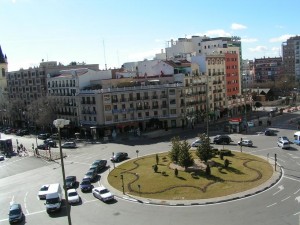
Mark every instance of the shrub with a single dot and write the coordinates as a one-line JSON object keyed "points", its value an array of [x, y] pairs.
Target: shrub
{"points": [[207, 170], [157, 159], [226, 163], [155, 168], [176, 172], [226, 152], [164, 173], [221, 155]]}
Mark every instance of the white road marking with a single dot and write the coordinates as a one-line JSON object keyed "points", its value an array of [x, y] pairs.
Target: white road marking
{"points": [[296, 191], [292, 179], [265, 149], [280, 189], [25, 205], [77, 162], [296, 213], [12, 199], [285, 198], [272, 204]]}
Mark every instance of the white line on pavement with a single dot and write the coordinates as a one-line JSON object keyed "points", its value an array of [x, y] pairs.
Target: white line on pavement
{"points": [[25, 205], [296, 191], [285, 198], [272, 204]]}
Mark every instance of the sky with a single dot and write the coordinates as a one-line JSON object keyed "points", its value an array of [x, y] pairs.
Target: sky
{"points": [[113, 32]]}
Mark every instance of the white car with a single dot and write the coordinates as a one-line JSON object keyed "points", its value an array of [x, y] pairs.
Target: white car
{"points": [[43, 191], [69, 144], [103, 194], [73, 196], [283, 144], [246, 142], [196, 143]]}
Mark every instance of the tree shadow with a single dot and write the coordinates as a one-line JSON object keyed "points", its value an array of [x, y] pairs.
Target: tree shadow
{"points": [[181, 178], [233, 170]]}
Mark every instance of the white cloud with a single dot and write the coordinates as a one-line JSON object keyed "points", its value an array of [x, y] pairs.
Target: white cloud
{"points": [[217, 33], [249, 40], [258, 49], [282, 38], [236, 26], [150, 54]]}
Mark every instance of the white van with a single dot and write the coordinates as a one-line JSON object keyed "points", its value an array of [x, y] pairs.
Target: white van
{"points": [[297, 138], [53, 198]]}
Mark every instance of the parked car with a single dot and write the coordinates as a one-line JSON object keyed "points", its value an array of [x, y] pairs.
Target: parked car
{"points": [[91, 174], [119, 156], [50, 142], [269, 132], [54, 136], [43, 147], [99, 164], [73, 196], [43, 136], [222, 139], [86, 185], [70, 182], [283, 144], [15, 214], [284, 138], [69, 144], [246, 142], [103, 194], [22, 132], [2, 157], [196, 143]]}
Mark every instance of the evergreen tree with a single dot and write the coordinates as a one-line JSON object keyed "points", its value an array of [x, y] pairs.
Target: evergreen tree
{"points": [[204, 151], [174, 152], [157, 159], [185, 158]]}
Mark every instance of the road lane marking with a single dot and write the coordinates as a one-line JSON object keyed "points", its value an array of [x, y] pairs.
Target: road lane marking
{"points": [[280, 189], [264, 149], [296, 213], [285, 198], [25, 205], [291, 179], [272, 205], [296, 191], [12, 199]]}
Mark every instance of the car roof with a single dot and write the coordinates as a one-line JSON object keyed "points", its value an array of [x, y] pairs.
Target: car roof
{"points": [[71, 190], [100, 188]]}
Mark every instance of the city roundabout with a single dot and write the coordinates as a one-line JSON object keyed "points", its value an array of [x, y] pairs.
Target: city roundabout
{"points": [[156, 179]]}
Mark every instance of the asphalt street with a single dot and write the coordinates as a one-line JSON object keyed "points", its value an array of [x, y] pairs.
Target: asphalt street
{"points": [[21, 178]]}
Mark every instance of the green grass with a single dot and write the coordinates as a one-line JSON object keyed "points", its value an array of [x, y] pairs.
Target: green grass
{"points": [[244, 172]]}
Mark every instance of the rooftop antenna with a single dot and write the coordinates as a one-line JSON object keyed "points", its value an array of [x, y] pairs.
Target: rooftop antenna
{"points": [[104, 55]]}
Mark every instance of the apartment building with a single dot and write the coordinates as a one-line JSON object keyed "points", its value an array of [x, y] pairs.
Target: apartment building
{"points": [[30, 84], [64, 88], [291, 56], [268, 69], [247, 74]]}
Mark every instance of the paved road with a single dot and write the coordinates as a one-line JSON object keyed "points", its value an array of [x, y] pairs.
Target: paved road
{"points": [[21, 178]]}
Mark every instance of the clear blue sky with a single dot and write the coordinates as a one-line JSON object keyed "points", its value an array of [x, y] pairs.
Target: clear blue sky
{"points": [[132, 30]]}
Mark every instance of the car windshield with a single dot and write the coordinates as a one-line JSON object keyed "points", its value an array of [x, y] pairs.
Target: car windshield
{"points": [[44, 188], [69, 179], [85, 182], [14, 212], [89, 173], [104, 191], [52, 201], [71, 194]]}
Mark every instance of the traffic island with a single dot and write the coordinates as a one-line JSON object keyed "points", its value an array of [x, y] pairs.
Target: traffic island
{"points": [[137, 177]]}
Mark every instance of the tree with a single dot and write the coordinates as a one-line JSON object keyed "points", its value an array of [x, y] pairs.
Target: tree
{"points": [[207, 170], [174, 152], [204, 150], [185, 158]]}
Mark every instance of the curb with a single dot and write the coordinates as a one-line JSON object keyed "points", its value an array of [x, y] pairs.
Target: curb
{"points": [[201, 202]]}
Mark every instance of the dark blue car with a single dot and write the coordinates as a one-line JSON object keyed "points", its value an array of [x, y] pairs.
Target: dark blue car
{"points": [[86, 185]]}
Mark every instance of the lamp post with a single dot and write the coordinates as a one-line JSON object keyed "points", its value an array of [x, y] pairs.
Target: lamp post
{"points": [[60, 123]]}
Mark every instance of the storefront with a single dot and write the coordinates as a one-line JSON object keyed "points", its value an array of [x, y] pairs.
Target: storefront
{"points": [[235, 125]]}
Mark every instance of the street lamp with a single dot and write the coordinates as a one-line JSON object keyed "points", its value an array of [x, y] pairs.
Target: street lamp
{"points": [[60, 123], [122, 178]]}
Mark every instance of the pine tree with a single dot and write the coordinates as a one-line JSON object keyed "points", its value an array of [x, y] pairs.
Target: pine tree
{"points": [[204, 150], [185, 158], [174, 152]]}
